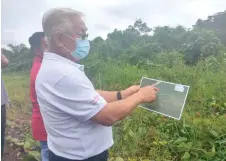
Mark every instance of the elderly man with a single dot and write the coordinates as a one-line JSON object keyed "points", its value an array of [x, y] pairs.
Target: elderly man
{"points": [[78, 118]]}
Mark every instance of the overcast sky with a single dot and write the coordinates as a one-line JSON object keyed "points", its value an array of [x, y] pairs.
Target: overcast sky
{"points": [[21, 18]]}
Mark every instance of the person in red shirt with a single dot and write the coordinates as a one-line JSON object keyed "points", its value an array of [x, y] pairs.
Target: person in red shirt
{"points": [[38, 46]]}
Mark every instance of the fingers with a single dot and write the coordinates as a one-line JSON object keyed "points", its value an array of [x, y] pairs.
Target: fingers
{"points": [[137, 87], [156, 89]]}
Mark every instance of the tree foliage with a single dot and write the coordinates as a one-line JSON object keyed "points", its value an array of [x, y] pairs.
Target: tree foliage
{"points": [[215, 23], [141, 45]]}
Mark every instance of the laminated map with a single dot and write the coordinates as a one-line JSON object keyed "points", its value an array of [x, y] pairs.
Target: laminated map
{"points": [[170, 100]]}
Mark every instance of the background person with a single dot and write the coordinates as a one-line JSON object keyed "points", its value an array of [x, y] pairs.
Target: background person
{"points": [[4, 101], [38, 46], [78, 118]]}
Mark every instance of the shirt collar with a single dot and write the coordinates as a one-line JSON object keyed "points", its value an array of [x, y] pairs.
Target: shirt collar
{"points": [[53, 56]]}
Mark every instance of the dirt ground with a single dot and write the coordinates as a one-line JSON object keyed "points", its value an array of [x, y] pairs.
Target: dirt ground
{"points": [[12, 154], [16, 127]]}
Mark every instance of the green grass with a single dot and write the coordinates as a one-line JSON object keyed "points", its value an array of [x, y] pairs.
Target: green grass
{"points": [[199, 135], [17, 86]]}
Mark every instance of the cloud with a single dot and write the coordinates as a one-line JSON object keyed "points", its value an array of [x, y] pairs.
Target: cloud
{"points": [[19, 20], [165, 12], [103, 27], [22, 18]]}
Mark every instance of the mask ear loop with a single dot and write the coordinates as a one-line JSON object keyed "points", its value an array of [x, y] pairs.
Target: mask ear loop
{"points": [[70, 38], [65, 35], [67, 49], [70, 53]]}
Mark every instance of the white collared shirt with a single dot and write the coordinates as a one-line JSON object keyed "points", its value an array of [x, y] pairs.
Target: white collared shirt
{"points": [[68, 101]]}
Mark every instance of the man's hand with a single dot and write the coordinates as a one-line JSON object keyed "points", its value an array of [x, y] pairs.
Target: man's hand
{"points": [[4, 61], [118, 110], [130, 91], [147, 94]]}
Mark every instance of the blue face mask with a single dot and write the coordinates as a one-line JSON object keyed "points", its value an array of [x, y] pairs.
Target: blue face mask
{"points": [[82, 48]]}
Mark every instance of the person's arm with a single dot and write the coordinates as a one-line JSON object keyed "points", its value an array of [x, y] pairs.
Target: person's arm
{"points": [[84, 103], [118, 110], [4, 61], [111, 96]]}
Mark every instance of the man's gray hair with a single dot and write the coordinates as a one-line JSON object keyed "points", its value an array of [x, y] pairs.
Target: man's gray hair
{"points": [[59, 20]]}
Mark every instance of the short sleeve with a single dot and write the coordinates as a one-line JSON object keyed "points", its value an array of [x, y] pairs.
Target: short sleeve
{"points": [[76, 96]]}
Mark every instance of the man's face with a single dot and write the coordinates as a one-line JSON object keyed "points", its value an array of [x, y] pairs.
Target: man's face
{"points": [[42, 48], [68, 42], [43, 44]]}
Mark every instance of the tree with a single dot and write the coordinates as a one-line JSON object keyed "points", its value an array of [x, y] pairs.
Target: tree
{"points": [[142, 27], [17, 49], [96, 44], [169, 38], [19, 56], [216, 23], [200, 43], [135, 45]]}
